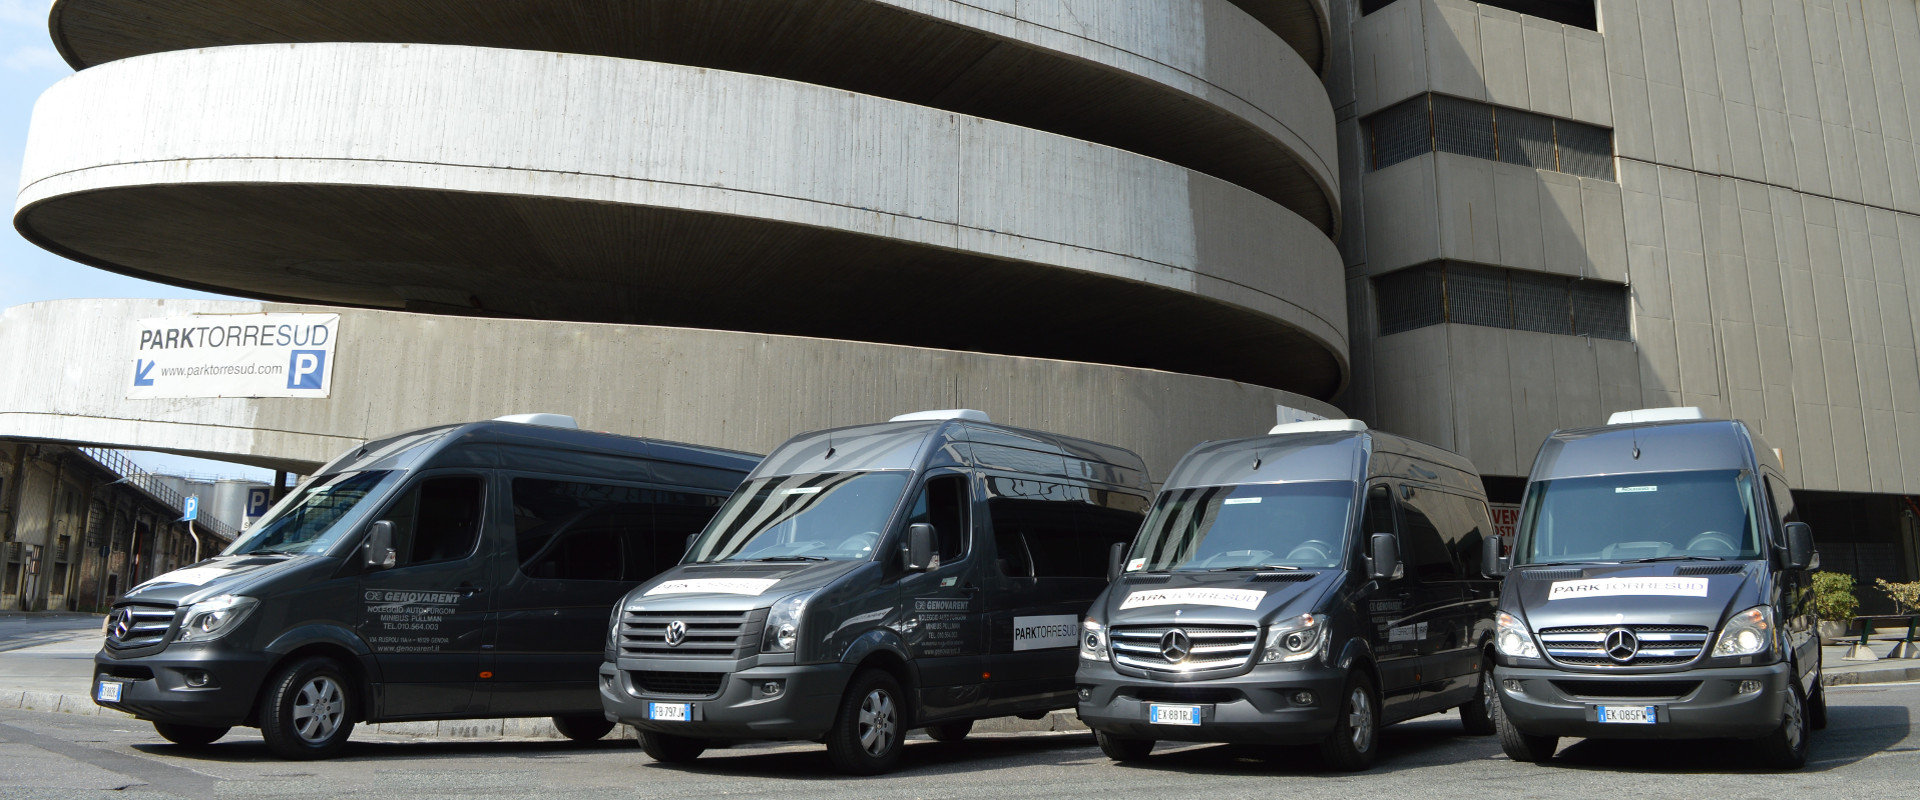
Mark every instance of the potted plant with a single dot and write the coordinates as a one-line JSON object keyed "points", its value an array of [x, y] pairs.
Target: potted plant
{"points": [[1834, 602]]}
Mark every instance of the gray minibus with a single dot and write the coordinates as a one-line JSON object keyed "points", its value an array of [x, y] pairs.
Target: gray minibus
{"points": [[1659, 588], [921, 573], [460, 571], [1304, 587]]}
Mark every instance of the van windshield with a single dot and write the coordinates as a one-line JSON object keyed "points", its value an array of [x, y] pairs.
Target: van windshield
{"points": [[1706, 514], [825, 516], [315, 516], [1300, 525]]}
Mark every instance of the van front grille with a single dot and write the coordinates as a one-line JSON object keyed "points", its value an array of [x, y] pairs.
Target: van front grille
{"points": [[1208, 647], [709, 634], [1653, 645], [678, 684], [1634, 690], [131, 626]]}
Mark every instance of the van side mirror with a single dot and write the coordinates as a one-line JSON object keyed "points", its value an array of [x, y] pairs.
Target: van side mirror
{"points": [[379, 546], [1116, 558], [1383, 553], [919, 547], [1492, 563], [1800, 552]]}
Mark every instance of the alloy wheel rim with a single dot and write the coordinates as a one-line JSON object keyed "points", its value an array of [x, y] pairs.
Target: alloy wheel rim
{"points": [[1360, 719], [878, 722], [1796, 722], [1486, 695], [318, 710]]}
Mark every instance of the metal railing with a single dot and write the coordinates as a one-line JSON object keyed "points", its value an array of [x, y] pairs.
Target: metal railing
{"points": [[130, 473]]}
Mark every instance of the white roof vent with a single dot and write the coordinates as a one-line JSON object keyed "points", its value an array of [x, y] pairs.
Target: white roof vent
{"points": [[945, 413], [549, 420], [1319, 426], [1674, 414]]}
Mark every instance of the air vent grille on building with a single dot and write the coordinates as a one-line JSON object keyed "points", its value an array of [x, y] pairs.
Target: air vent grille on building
{"points": [[1469, 294], [1430, 122]]}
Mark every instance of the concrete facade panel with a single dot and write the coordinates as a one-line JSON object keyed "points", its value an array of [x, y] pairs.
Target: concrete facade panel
{"points": [[1469, 217], [1547, 88], [1481, 378]]}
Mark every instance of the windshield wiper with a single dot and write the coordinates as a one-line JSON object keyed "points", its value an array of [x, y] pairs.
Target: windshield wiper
{"points": [[1671, 558], [784, 558], [1252, 568], [268, 551]]}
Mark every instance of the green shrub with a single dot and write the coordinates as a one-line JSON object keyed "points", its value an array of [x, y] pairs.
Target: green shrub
{"points": [[1904, 595], [1833, 596]]}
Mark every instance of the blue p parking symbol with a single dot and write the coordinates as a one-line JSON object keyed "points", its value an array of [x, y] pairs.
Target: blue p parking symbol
{"points": [[307, 368]]}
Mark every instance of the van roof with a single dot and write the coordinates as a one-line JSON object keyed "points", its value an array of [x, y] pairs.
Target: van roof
{"points": [[1317, 456], [417, 446], [1666, 446], [919, 444]]}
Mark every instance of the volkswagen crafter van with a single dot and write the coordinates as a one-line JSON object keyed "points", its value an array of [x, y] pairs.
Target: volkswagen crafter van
{"points": [[1659, 590], [1308, 586], [922, 573], [461, 571]]}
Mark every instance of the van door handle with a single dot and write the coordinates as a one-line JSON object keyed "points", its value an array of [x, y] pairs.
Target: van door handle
{"points": [[468, 589]]}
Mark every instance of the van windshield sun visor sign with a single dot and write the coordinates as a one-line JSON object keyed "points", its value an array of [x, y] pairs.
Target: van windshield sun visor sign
{"points": [[1625, 587], [715, 586], [1230, 598]]}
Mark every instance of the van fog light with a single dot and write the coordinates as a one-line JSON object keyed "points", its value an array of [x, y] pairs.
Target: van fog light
{"points": [[1086, 693], [197, 679], [771, 688], [1514, 686], [1304, 698], [1749, 687]]}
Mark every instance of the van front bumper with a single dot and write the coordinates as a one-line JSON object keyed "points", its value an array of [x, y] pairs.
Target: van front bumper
{"points": [[805, 707], [155, 687], [1695, 704], [1257, 707]]}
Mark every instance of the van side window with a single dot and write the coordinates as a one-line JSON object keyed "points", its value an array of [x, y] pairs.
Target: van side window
{"points": [[573, 530], [943, 504], [1043, 529], [1422, 544], [437, 520]]}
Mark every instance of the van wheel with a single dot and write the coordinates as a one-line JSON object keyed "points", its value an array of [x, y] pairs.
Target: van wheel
{"points": [[189, 735], [1120, 749], [1517, 745], [1786, 748], [307, 711], [950, 731], [667, 748], [1476, 715], [865, 737], [583, 727], [1356, 730]]}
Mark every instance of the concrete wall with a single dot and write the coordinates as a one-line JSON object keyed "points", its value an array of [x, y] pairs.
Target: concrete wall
{"points": [[396, 371], [1766, 217]]}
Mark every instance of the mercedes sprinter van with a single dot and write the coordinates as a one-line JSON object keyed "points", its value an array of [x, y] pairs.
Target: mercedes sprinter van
{"points": [[461, 571], [921, 573], [1659, 589], [1308, 586]]}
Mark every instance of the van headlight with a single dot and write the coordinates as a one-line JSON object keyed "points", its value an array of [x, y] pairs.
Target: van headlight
{"points": [[783, 623], [1512, 638], [1748, 632], [214, 617], [612, 651], [1295, 639], [1093, 640]]}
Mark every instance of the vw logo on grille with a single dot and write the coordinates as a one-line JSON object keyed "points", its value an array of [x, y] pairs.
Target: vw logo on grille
{"points": [[1175, 646], [120, 623], [1622, 645], [676, 633]]}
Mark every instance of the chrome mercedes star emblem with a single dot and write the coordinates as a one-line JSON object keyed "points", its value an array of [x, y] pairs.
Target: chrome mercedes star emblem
{"points": [[1622, 645], [1175, 646], [120, 625], [676, 633]]}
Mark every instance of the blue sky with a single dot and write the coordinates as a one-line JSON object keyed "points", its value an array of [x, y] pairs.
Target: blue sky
{"points": [[28, 65]]}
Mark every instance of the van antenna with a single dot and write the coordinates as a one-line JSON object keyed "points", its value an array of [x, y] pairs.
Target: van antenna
{"points": [[1635, 433]]}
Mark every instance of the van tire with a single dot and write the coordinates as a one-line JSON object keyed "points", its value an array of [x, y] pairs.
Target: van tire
{"points": [[950, 731], [1786, 747], [866, 737], [320, 686], [189, 735], [1355, 740], [1519, 746], [1817, 706], [1476, 715], [583, 727], [1122, 749], [667, 748]]}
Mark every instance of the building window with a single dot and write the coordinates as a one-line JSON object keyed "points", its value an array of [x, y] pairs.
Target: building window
{"points": [[1470, 294], [1578, 13], [1430, 122]]}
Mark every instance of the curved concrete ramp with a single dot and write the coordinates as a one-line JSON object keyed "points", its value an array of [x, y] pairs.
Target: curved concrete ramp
{"points": [[72, 362]]}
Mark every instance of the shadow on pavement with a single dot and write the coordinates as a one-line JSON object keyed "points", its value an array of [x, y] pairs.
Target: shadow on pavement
{"points": [[243, 745], [921, 757], [1408, 745], [1854, 732]]}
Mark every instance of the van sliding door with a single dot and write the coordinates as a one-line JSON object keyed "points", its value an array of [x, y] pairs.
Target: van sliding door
{"points": [[426, 617]]}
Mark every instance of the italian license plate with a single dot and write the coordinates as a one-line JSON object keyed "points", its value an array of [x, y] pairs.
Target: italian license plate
{"points": [[670, 712], [109, 691], [1173, 715], [1631, 715]]}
